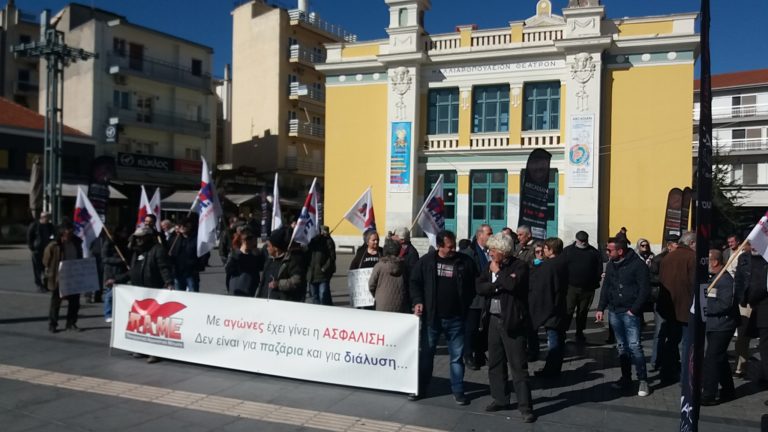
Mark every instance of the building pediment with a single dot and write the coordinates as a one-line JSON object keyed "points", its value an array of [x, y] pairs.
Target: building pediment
{"points": [[544, 21]]}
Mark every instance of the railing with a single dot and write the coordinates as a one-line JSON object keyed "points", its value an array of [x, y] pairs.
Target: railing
{"points": [[306, 165], [296, 127], [541, 139], [299, 53], [736, 145], [489, 141], [315, 21], [161, 69], [737, 111], [542, 35], [493, 39], [443, 43], [161, 120], [298, 89], [441, 142], [25, 87]]}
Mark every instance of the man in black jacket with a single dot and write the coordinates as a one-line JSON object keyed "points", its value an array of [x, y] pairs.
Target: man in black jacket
{"points": [[585, 266], [39, 234], [322, 266], [150, 267], [625, 291], [476, 331], [756, 294], [442, 288]]}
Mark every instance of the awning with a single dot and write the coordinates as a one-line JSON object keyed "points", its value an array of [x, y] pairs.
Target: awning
{"points": [[21, 187], [179, 201]]}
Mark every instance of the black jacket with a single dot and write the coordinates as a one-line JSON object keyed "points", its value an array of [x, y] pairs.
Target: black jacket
{"points": [[151, 269], [626, 286], [511, 288], [722, 310], [757, 293], [183, 254], [548, 288], [357, 260], [423, 285], [475, 252], [585, 266], [322, 259], [244, 272], [409, 254], [290, 273], [114, 267], [39, 235]]}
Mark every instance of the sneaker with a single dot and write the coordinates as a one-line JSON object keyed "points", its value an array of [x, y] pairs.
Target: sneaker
{"points": [[621, 384], [529, 418], [108, 319], [460, 399], [643, 390], [413, 397]]}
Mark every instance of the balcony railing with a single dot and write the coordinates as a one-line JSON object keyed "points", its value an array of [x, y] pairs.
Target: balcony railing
{"points": [[490, 141], [305, 165], [315, 21], [25, 87], [299, 128], [299, 53], [162, 120], [158, 69], [734, 112], [443, 43], [441, 142], [541, 139], [297, 89], [736, 145]]}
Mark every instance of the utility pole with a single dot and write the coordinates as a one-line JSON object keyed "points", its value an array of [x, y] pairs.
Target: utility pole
{"points": [[57, 55]]}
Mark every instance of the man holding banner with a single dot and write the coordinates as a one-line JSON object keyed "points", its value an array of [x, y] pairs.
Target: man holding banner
{"points": [[65, 247]]}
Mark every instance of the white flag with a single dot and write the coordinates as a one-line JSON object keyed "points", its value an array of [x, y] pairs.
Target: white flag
{"points": [[431, 216], [154, 208], [87, 223], [210, 211], [758, 238], [277, 215], [361, 214], [144, 208], [306, 226]]}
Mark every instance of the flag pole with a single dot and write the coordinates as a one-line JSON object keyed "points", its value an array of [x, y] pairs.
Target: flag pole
{"points": [[337, 225], [189, 213], [734, 255], [117, 249], [350, 209]]}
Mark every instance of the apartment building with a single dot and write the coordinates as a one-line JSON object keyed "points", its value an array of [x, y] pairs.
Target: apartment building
{"points": [[740, 133], [19, 76], [278, 96], [147, 99], [605, 97]]}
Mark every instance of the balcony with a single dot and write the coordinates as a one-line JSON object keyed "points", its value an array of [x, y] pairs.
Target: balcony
{"points": [[295, 163], [442, 143], [299, 91], [738, 112], [164, 121], [744, 145], [159, 70], [550, 138], [300, 54], [299, 16], [25, 87], [297, 128]]}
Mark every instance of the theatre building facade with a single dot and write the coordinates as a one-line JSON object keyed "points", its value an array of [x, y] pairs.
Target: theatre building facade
{"points": [[609, 99]]}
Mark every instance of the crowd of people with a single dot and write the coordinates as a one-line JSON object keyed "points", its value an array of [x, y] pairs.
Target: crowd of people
{"points": [[489, 298]]}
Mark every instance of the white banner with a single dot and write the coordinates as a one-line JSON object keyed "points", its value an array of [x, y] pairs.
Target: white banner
{"points": [[359, 293], [581, 151], [78, 276], [345, 346]]}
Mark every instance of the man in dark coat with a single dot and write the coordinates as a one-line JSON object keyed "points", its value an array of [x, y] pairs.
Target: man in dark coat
{"points": [[442, 288], [39, 234], [186, 264], [625, 292], [476, 333], [757, 296], [285, 272], [150, 267], [408, 252], [585, 267], [322, 266], [660, 297]]}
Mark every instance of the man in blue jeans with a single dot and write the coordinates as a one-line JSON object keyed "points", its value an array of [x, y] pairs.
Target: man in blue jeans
{"points": [[442, 288], [625, 290]]}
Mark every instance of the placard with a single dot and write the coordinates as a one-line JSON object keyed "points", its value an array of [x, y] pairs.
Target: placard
{"points": [[359, 293], [78, 276]]}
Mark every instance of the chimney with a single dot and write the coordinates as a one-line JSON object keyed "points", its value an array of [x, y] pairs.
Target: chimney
{"points": [[304, 5]]}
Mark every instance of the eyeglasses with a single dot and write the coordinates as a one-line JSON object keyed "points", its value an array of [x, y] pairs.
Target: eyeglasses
{"points": [[538, 251]]}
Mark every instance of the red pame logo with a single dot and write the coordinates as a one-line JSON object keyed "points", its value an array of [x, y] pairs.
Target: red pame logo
{"points": [[152, 322]]}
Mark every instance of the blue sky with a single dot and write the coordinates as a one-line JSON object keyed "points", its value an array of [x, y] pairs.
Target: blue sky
{"points": [[739, 32]]}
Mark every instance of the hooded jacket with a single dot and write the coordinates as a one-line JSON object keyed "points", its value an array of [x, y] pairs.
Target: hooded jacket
{"points": [[389, 285], [626, 286]]}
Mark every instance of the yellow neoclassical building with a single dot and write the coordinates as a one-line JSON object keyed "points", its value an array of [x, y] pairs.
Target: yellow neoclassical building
{"points": [[610, 99]]}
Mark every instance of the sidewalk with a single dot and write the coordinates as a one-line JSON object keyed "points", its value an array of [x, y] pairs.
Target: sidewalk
{"points": [[74, 382]]}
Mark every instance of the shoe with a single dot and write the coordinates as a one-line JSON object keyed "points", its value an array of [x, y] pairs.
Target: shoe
{"points": [[529, 418], [73, 328], [53, 329], [545, 373], [42, 290], [643, 390], [580, 338], [469, 362], [708, 402], [153, 359], [495, 406], [108, 319], [413, 397], [726, 396], [480, 360], [621, 384], [460, 399], [138, 355]]}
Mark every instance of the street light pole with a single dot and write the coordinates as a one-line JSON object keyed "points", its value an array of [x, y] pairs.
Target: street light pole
{"points": [[58, 56]]}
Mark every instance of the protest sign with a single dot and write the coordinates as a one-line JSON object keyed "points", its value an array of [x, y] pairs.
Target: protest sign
{"points": [[78, 276], [345, 346], [359, 293]]}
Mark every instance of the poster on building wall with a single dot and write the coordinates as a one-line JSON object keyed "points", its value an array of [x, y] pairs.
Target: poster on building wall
{"points": [[581, 154], [400, 159], [534, 193]]}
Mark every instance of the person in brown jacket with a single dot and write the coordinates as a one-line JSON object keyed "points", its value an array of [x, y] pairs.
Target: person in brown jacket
{"points": [[389, 281], [64, 247], [677, 275]]}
